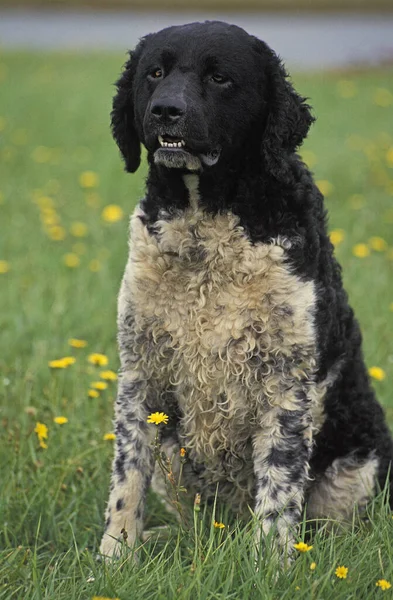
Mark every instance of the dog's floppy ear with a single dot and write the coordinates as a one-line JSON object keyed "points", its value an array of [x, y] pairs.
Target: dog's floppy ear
{"points": [[122, 115], [288, 117]]}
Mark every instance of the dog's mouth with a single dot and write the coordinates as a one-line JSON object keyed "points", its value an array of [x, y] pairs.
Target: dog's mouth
{"points": [[173, 152], [168, 141]]}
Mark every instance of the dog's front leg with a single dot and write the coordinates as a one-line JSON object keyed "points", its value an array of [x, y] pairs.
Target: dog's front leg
{"points": [[132, 466], [281, 452]]}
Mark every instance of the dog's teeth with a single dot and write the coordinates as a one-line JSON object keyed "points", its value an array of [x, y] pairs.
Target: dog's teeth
{"points": [[179, 144]]}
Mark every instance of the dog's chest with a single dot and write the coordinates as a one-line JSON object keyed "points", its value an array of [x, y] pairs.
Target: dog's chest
{"points": [[226, 317]]}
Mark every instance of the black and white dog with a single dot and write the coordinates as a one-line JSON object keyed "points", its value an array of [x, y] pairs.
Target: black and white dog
{"points": [[232, 316]]}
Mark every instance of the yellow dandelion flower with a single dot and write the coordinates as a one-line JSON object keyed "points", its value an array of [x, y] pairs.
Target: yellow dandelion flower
{"points": [[60, 420], [42, 154], [98, 359], [99, 385], [346, 89], [88, 179], [76, 343], [48, 211], [69, 360], [383, 97], [297, 588], [50, 220], [57, 233], [4, 266], [361, 250], [62, 363], [357, 201], [44, 202], [108, 375], [377, 373], [41, 430], [112, 213], [378, 244], [383, 584], [93, 394], [57, 364], [218, 525], [42, 433], [71, 260], [157, 418], [183, 452], [109, 436], [78, 229], [336, 236], [94, 265], [302, 547], [313, 566], [325, 187], [341, 572]]}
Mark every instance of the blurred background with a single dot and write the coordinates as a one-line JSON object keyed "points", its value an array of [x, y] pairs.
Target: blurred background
{"points": [[307, 33], [64, 207]]}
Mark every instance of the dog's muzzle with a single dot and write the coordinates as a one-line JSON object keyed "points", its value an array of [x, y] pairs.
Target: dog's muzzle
{"points": [[175, 154]]}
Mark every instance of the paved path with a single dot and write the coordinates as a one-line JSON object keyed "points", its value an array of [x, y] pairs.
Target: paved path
{"points": [[304, 41]]}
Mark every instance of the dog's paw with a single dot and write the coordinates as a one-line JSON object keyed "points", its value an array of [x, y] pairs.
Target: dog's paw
{"points": [[113, 548]]}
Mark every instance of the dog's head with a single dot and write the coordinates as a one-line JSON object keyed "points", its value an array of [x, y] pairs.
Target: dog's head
{"points": [[196, 94]]}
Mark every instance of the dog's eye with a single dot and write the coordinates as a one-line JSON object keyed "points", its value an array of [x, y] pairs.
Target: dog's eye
{"points": [[218, 78], [156, 74]]}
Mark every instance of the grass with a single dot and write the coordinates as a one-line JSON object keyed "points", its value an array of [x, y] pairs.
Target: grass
{"points": [[54, 127]]}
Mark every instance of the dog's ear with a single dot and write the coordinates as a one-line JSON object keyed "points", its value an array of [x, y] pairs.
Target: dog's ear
{"points": [[122, 115], [287, 116]]}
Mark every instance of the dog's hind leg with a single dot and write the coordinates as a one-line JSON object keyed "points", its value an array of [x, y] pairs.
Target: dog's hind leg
{"points": [[281, 454], [348, 483]]}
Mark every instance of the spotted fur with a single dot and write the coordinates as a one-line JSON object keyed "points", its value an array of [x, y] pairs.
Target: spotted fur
{"points": [[348, 482], [232, 316]]}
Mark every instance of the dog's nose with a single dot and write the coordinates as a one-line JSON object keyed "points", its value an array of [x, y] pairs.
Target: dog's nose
{"points": [[168, 110]]}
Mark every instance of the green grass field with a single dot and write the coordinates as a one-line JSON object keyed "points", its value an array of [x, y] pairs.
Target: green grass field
{"points": [[62, 253]]}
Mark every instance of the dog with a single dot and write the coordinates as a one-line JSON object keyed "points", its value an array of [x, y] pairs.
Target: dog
{"points": [[232, 317]]}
